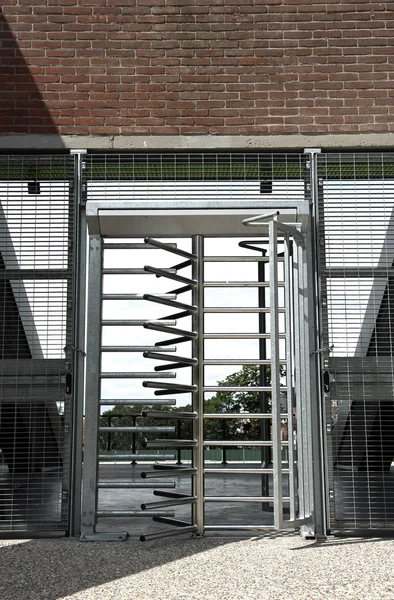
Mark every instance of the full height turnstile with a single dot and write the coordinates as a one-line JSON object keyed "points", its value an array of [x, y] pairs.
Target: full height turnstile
{"points": [[279, 430]]}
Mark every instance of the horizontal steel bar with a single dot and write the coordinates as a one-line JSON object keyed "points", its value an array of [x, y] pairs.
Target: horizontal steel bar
{"points": [[133, 485], [156, 356], [241, 499], [133, 322], [134, 457], [242, 471], [147, 537], [169, 302], [136, 348], [132, 246], [241, 361], [166, 503], [170, 443], [238, 527], [241, 443], [241, 416], [125, 375], [135, 296], [175, 387], [256, 258], [169, 415], [169, 248], [162, 327], [138, 429], [135, 513], [240, 309], [169, 275], [138, 402], [168, 473], [241, 336], [136, 271], [239, 284], [32, 274], [239, 388]]}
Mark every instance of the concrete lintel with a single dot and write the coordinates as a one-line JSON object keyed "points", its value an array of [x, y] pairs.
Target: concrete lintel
{"points": [[363, 141]]}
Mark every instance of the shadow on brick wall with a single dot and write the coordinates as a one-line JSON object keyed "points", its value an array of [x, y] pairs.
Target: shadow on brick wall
{"points": [[22, 106]]}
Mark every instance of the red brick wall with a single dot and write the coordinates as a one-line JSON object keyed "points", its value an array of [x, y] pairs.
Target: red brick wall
{"points": [[132, 67]]}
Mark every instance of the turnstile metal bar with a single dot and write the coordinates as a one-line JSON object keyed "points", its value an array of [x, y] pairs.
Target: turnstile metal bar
{"points": [[136, 271], [238, 527], [240, 284], [135, 375], [135, 513], [168, 533], [169, 415], [169, 502], [240, 336], [176, 388], [170, 248], [134, 457], [254, 259], [133, 246], [133, 485], [226, 471], [225, 388], [241, 443], [168, 473], [167, 301], [170, 443], [138, 402], [170, 274], [136, 296], [240, 309], [138, 429], [134, 322], [241, 416], [242, 499], [137, 349], [181, 359], [241, 361]]}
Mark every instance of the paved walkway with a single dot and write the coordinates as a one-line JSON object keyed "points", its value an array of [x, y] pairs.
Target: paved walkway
{"points": [[258, 568]]}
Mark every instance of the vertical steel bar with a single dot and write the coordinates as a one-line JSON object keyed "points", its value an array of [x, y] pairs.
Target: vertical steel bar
{"points": [[275, 377], [289, 370], [92, 407], [198, 379], [79, 343]]}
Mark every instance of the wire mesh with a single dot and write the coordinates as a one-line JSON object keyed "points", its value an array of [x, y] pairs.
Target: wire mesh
{"points": [[356, 204], [209, 176], [36, 279]]}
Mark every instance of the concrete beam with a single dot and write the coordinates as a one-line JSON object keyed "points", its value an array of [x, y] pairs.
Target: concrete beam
{"points": [[340, 142]]}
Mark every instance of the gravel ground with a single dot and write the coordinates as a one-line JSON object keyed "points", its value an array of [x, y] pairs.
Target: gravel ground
{"points": [[258, 568]]}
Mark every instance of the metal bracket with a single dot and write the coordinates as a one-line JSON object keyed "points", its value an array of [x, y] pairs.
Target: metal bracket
{"points": [[74, 349], [325, 349]]}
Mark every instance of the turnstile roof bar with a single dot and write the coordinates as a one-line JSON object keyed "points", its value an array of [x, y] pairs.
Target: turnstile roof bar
{"points": [[135, 375], [137, 349]]}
